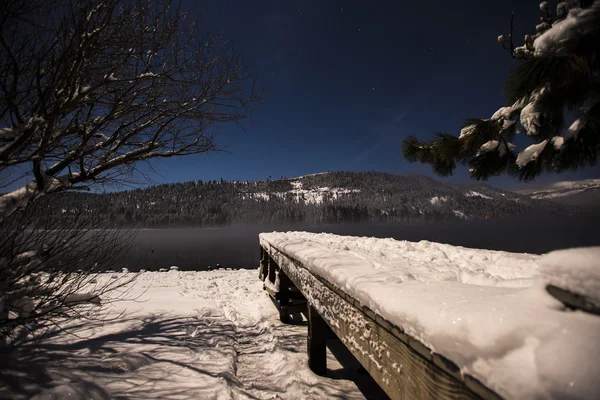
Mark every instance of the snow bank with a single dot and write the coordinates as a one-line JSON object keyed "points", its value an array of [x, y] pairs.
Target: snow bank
{"points": [[488, 311], [576, 270]]}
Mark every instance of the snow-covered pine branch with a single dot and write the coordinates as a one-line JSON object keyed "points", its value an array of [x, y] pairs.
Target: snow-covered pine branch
{"points": [[558, 70]]}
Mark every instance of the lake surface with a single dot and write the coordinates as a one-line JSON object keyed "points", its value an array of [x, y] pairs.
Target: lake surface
{"points": [[237, 246]]}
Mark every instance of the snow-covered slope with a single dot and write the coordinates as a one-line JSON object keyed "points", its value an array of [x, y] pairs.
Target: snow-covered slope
{"points": [[488, 311], [581, 193], [397, 196], [313, 195]]}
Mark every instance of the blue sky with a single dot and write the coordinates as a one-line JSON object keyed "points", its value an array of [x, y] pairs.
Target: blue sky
{"points": [[346, 81]]}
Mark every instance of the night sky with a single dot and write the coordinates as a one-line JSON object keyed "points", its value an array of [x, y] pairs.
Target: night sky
{"points": [[346, 81]]}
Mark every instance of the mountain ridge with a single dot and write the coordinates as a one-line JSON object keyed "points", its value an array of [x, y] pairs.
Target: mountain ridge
{"points": [[582, 193], [332, 197]]}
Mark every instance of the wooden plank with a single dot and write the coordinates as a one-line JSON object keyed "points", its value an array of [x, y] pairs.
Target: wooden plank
{"points": [[403, 366], [576, 301], [318, 331], [286, 296], [295, 295], [294, 309]]}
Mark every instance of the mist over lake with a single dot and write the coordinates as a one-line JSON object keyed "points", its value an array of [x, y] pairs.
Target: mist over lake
{"points": [[237, 246]]}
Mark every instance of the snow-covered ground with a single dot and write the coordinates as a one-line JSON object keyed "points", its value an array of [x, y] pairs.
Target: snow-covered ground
{"points": [[217, 335], [488, 311], [187, 335]]}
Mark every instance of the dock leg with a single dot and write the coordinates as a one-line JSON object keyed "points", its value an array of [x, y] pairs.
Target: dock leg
{"points": [[262, 270], [284, 297], [318, 330], [272, 266]]}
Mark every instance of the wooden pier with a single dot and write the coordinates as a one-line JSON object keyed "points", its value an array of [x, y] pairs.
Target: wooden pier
{"points": [[400, 364]]}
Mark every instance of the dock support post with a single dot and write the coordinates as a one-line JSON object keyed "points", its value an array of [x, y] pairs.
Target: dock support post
{"points": [[262, 270], [318, 331], [284, 297], [271, 269]]}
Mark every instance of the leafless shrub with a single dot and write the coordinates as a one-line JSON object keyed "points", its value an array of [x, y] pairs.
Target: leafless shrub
{"points": [[50, 270]]}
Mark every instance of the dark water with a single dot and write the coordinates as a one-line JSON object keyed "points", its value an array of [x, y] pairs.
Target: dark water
{"points": [[237, 246]]}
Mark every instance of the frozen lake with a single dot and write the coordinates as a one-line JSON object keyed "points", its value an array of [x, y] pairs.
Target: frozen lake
{"points": [[237, 246]]}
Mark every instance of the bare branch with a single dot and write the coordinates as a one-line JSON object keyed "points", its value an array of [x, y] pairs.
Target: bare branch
{"points": [[86, 96], [83, 100]]}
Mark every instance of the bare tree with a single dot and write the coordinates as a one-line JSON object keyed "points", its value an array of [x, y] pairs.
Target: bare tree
{"points": [[89, 88]]}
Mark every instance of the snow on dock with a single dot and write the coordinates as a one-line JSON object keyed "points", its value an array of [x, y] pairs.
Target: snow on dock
{"points": [[489, 312]]}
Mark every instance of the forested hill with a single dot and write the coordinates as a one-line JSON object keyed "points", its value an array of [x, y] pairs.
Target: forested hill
{"points": [[330, 197]]}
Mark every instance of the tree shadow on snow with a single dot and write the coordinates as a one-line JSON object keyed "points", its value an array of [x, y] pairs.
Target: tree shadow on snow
{"points": [[78, 365], [155, 356]]}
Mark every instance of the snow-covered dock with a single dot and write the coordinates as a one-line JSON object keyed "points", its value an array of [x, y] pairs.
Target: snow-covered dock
{"points": [[429, 320]]}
